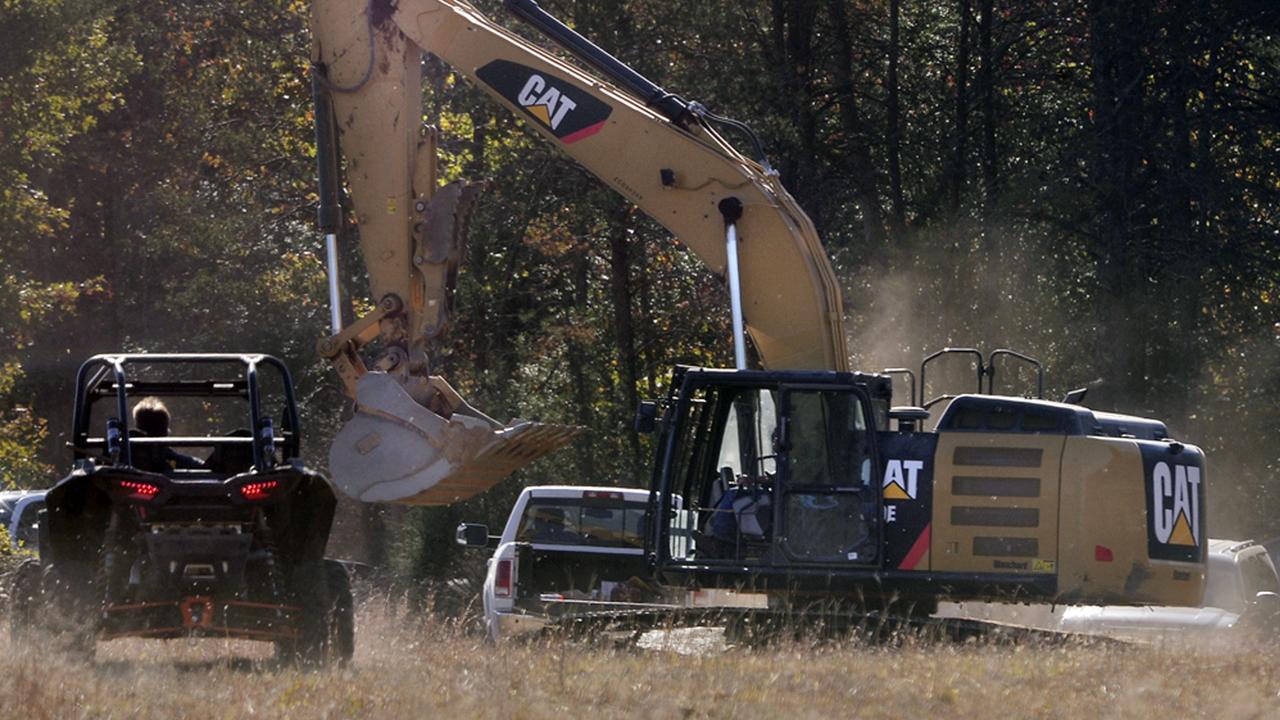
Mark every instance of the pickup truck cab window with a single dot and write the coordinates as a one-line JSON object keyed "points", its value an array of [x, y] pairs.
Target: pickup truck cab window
{"points": [[587, 521]]}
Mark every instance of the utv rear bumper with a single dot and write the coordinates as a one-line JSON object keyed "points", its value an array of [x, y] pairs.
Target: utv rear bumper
{"points": [[202, 616]]}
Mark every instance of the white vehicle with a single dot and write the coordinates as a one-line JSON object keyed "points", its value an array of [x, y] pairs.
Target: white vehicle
{"points": [[19, 511], [1238, 570], [562, 543]]}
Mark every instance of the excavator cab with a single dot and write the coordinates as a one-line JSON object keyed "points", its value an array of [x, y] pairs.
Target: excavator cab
{"points": [[780, 471]]}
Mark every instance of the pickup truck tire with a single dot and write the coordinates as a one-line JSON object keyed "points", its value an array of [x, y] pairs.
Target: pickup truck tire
{"points": [[490, 633]]}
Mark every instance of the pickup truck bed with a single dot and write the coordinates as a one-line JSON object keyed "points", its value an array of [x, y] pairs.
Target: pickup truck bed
{"points": [[576, 574]]}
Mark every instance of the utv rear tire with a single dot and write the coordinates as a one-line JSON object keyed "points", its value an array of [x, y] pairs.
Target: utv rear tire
{"points": [[46, 611], [327, 626], [309, 590], [26, 591], [342, 621]]}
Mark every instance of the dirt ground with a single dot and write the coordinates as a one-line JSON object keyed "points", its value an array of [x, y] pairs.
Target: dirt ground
{"points": [[412, 669]]}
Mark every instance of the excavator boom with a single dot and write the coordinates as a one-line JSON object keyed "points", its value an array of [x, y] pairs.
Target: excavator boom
{"points": [[413, 439]]}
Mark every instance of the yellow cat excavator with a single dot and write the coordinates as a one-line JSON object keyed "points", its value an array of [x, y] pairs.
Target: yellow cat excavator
{"points": [[784, 478]]}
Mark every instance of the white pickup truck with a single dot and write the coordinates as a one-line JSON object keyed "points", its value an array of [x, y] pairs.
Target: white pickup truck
{"points": [[1240, 575], [19, 513], [562, 543], [1238, 571]]}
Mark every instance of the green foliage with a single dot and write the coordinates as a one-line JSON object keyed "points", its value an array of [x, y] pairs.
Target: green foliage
{"points": [[10, 556], [21, 434]]}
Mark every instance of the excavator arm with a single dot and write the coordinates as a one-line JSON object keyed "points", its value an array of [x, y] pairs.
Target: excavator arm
{"points": [[413, 439]]}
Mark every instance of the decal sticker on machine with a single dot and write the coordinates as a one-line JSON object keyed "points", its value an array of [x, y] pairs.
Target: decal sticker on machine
{"points": [[901, 479], [1175, 501], [1176, 505], [919, 552], [906, 497], [571, 114]]}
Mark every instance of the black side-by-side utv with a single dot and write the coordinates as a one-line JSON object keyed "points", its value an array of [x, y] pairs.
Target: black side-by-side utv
{"points": [[144, 540]]}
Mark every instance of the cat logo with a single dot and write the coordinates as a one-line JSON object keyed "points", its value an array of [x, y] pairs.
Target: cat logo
{"points": [[569, 112], [901, 479], [544, 102], [1175, 507]]}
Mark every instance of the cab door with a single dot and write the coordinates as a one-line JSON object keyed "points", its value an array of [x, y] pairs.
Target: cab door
{"points": [[828, 505]]}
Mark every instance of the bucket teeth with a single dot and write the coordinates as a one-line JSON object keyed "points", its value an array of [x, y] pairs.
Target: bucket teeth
{"points": [[515, 446], [397, 451]]}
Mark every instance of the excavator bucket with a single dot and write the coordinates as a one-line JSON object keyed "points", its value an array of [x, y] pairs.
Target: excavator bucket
{"points": [[396, 450]]}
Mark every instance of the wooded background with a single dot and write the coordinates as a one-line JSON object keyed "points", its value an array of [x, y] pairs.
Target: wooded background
{"points": [[1093, 182]]}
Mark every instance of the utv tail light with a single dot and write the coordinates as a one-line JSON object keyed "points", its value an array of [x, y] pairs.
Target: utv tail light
{"points": [[502, 579], [260, 490], [1102, 553], [137, 490]]}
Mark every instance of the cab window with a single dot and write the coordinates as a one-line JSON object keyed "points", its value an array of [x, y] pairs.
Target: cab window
{"points": [[746, 442], [828, 441]]}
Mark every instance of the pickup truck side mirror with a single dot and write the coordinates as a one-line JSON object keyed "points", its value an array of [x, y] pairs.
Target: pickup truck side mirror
{"points": [[475, 535]]}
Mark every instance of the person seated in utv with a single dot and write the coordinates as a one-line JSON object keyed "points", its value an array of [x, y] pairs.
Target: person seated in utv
{"points": [[151, 419]]}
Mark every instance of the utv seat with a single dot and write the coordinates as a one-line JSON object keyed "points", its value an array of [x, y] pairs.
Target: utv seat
{"points": [[159, 459], [232, 459]]}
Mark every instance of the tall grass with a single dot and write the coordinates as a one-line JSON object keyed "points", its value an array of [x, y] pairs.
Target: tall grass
{"points": [[408, 668]]}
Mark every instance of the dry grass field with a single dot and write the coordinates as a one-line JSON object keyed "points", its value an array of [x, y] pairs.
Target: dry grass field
{"points": [[415, 670]]}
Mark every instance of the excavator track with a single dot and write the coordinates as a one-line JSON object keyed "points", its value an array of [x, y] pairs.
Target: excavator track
{"points": [[749, 626]]}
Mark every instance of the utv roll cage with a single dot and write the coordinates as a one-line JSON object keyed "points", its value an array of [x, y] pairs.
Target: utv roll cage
{"points": [[116, 376]]}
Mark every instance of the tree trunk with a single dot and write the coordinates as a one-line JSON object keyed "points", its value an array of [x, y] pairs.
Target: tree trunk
{"points": [[646, 334], [960, 161], [898, 219], [793, 31], [1182, 284], [861, 169], [1116, 75], [620, 263], [583, 414], [374, 527], [986, 81]]}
